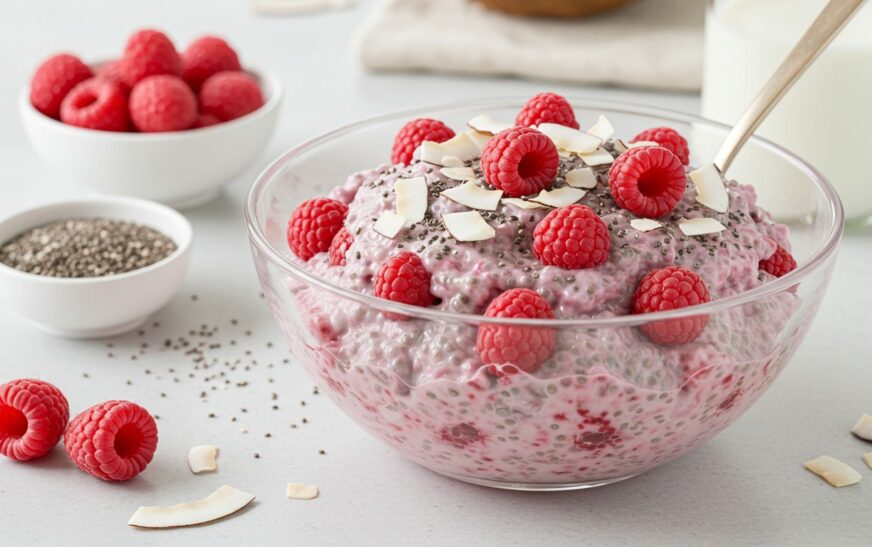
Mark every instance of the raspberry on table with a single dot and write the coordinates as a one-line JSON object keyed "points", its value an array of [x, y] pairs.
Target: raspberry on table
{"points": [[520, 161], [53, 79], [648, 181], [780, 263], [506, 349], [230, 95], [547, 108], [162, 103], [671, 288], [410, 137], [113, 441], [403, 278], [96, 103], [339, 247], [33, 415], [148, 53], [313, 225], [207, 56], [572, 237], [669, 139]]}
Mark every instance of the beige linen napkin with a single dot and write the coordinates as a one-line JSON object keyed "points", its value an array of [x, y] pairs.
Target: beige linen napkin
{"points": [[652, 44]]}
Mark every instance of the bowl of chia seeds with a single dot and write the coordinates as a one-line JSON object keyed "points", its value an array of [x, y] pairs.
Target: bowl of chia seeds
{"points": [[92, 268]]}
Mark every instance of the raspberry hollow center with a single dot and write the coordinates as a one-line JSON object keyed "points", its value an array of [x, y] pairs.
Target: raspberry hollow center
{"points": [[530, 165], [13, 422], [652, 183], [127, 441]]}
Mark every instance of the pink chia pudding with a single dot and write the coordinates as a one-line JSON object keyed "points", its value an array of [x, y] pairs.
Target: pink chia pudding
{"points": [[589, 404]]}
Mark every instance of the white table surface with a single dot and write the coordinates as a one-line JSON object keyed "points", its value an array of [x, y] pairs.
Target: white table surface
{"points": [[747, 486]]}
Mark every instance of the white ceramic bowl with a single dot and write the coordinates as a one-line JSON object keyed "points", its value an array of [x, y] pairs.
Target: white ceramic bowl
{"points": [[180, 168], [96, 306]]}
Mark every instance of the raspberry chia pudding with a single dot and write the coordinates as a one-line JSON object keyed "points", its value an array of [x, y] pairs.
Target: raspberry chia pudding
{"points": [[542, 222]]}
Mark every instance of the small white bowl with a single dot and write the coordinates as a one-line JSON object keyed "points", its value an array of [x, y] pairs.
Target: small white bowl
{"points": [[181, 168], [95, 307]]}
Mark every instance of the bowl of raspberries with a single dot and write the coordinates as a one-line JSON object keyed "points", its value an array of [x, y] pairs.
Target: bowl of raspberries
{"points": [[156, 123]]}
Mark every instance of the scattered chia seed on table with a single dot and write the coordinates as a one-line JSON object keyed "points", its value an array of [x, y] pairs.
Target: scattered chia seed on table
{"points": [[85, 247]]}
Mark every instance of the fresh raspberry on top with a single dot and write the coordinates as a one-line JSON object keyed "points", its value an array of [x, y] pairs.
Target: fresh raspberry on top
{"points": [[53, 79], [339, 247], [649, 181], [111, 70], [96, 104], [162, 103], [410, 137], [403, 278], [669, 139], [33, 415], [547, 108], [206, 56], [113, 441], [313, 225], [780, 263], [520, 161], [148, 53], [572, 237], [671, 288], [230, 95], [509, 349]]}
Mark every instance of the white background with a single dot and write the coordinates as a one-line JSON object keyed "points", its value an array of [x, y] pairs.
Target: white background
{"points": [[747, 486]]}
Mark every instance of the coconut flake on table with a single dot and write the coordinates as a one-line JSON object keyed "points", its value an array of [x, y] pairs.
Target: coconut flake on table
{"points": [[485, 124], [523, 203], [863, 428], [600, 156], [582, 177], [560, 197], [221, 503], [458, 173], [645, 224], [867, 457], [700, 226], [389, 224], [474, 196], [569, 139], [460, 146], [468, 226], [710, 188], [603, 128], [411, 200], [203, 458], [835, 472], [297, 491]]}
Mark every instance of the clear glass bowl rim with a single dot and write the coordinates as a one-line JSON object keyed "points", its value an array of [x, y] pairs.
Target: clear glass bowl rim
{"points": [[818, 257]]}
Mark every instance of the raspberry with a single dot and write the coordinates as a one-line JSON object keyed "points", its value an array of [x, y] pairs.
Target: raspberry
{"points": [[547, 108], [779, 264], [671, 288], [669, 139], [313, 225], [649, 181], [111, 70], [230, 95], [33, 415], [113, 441], [162, 103], [339, 246], [510, 349], [205, 57], [520, 161], [403, 278], [205, 120], [148, 53], [410, 137], [53, 79], [572, 237], [96, 104]]}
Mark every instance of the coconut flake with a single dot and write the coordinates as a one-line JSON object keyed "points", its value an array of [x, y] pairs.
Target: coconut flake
{"points": [[835, 472], [863, 428], [645, 224], [297, 491], [569, 139], [523, 203], [460, 146], [602, 128], [867, 457], [640, 144], [389, 224], [202, 458], [458, 173], [583, 177], [559, 197], [700, 226], [411, 198], [468, 226], [451, 161], [221, 503], [710, 189], [600, 156], [485, 124], [480, 140], [474, 196]]}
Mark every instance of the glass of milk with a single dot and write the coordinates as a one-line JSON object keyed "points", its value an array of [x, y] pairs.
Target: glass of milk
{"points": [[825, 119]]}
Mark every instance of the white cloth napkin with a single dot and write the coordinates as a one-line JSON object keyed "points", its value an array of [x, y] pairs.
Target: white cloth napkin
{"points": [[651, 44]]}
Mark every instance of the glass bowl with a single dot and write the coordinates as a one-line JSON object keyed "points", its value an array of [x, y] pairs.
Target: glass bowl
{"points": [[608, 404]]}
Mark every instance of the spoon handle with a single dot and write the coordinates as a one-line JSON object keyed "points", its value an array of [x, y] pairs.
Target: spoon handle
{"points": [[827, 26]]}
